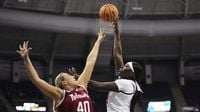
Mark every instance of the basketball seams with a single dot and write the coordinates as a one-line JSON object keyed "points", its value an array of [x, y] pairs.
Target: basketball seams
{"points": [[114, 12], [108, 12], [104, 17], [111, 11], [105, 13]]}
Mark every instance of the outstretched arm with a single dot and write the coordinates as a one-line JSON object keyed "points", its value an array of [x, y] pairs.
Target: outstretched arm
{"points": [[117, 48], [50, 90], [109, 86], [91, 60]]}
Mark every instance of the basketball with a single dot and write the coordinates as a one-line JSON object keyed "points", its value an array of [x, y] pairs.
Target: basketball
{"points": [[108, 13]]}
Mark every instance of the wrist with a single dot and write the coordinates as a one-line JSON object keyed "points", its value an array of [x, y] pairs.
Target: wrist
{"points": [[25, 57], [116, 31]]}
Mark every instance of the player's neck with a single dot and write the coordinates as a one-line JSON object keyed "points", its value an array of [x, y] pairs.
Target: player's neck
{"points": [[70, 88]]}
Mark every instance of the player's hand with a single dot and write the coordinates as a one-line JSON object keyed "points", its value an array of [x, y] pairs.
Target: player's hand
{"points": [[24, 49], [115, 24], [73, 72], [101, 34]]}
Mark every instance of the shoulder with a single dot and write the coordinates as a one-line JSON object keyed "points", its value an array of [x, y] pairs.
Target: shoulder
{"points": [[124, 81], [124, 85], [59, 102]]}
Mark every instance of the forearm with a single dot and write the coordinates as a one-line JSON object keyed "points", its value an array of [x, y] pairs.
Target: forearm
{"points": [[31, 72], [92, 57], [117, 50], [91, 60], [94, 84], [107, 86]]}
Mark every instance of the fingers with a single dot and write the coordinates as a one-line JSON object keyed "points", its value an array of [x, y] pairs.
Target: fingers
{"points": [[114, 23], [73, 70], [26, 44], [29, 48], [23, 47], [20, 47], [101, 34], [70, 71], [101, 31], [18, 51], [116, 19]]}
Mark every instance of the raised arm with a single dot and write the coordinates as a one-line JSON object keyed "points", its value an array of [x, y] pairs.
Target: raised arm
{"points": [[49, 90], [117, 48], [91, 60]]}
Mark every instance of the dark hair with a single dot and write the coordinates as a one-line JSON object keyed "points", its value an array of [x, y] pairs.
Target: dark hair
{"points": [[139, 75], [134, 100], [139, 72]]}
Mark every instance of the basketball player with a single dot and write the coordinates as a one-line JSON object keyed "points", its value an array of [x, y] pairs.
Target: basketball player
{"points": [[69, 94], [125, 90]]}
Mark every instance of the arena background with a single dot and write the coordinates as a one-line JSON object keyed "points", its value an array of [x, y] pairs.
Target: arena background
{"points": [[162, 35]]}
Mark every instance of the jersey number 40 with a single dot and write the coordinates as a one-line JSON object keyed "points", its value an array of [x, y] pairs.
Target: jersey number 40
{"points": [[83, 106]]}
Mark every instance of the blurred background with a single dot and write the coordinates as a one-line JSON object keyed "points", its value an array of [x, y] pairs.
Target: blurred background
{"points": [[162, 35]]}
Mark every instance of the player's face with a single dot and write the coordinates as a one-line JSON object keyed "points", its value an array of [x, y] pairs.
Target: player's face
{"points": [[125, 71], [70, 80]]}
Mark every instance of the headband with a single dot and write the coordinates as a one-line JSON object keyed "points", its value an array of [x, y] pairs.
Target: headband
{"points": [[130, 64]]}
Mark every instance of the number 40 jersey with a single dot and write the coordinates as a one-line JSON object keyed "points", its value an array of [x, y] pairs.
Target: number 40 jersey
{"points": [[76, 100]]}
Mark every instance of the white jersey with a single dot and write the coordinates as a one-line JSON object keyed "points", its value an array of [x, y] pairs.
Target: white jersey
{"points": [[120, 101]]}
